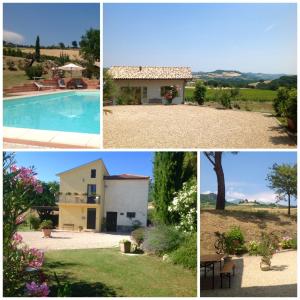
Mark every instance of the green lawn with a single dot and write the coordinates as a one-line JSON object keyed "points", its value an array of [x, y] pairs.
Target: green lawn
{"points": [[245, 94], [107, 272]]}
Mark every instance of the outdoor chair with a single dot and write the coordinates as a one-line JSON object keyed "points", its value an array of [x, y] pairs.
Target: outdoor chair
{"points": [[78, 84], [226, 272], [40, 86], [61, 83], [209, 267]]}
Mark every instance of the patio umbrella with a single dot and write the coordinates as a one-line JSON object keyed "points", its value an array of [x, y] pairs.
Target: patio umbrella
{"points": [[71, 67]]}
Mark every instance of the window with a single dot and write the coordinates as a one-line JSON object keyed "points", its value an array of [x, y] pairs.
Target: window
{"points": [[93, 173], [165, 89], [130, 215], [144, 92]]}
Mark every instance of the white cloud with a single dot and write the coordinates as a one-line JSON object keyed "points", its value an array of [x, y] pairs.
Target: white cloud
{"points": [[12, 37], [269, 28], [263, 197], [231, 195]]}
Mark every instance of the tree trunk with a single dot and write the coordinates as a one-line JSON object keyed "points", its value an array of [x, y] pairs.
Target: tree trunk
{"points": [[289, 204], [220, 204]]}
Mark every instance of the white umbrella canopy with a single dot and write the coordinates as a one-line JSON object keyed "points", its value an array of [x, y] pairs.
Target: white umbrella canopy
{"points": [[71, 67]]}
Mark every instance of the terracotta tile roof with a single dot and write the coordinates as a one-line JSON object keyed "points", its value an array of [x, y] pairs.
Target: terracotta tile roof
{"points": [[125, 177], [118, 72]]}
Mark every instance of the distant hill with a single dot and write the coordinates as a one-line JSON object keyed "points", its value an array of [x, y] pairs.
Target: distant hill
{"points": [[233, 78], [209, 200], [233, 74]]}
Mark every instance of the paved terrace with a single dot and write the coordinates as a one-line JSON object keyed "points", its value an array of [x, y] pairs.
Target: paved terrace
{"points": [[187, 126], [72, 240], [250, 281]]}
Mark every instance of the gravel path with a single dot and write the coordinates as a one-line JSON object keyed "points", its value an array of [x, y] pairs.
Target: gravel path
{"points": [[186, 126], [72, 240], [250, 281]]}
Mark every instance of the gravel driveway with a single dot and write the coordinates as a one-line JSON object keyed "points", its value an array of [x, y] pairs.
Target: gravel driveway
{"points": [[186, 126], [250, 281], [72, 240]]}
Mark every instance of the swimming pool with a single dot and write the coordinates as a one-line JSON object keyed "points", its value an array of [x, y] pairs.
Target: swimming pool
{"points": [[74, 111]]}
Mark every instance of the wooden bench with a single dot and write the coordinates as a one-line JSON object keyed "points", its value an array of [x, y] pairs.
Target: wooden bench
{"points": [[68, 226], [226, 271]]}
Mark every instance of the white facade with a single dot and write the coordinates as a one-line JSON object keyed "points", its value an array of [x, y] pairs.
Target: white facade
{"points": [[153, 88], [123, 196]]}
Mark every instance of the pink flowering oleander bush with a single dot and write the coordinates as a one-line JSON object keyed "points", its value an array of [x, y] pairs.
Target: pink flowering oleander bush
{"points": [[34, 289], [20, 188]]}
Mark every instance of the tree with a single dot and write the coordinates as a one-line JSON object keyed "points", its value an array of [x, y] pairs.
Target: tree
{"points": [[168, 171], [74, 44], [90, 45], [61, 45], [215, 158], [109, 87], [200, 91], [283, 180], [43, 202], [37, 49]]}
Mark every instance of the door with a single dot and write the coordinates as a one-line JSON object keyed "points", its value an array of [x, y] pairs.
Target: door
{"points": [[91, 218], [111, 221]]}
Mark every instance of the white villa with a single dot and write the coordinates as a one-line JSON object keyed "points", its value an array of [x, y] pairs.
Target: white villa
{"points": [[92, 199], [149, 84]]}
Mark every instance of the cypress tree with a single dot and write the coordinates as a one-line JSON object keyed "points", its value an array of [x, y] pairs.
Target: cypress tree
{"points": [[37, 49], [168, 179]]}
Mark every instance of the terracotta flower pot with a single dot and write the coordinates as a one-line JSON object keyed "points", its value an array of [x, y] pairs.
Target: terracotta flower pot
{"points": [[47, 233], [125, 247]]}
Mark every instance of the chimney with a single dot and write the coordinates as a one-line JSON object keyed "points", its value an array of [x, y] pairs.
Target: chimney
{"points": [[140, 68]]}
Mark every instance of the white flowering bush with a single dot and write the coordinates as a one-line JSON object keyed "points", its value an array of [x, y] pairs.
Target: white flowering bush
{"points": [[184, 207]]}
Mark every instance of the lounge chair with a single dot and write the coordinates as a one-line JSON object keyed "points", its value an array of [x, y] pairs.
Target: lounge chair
{"points": [[61, 83], [78, 84], [40, 86]]}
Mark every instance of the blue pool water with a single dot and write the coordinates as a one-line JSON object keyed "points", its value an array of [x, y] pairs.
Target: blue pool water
{"points": [[69, 111]]}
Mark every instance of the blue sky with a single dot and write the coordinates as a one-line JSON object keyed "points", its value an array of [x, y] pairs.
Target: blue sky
{"points": [[48, 164], [245, 174], [206, 37], [54, 23]]}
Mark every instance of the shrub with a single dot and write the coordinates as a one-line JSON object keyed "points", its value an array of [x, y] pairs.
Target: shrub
{"points": [[288, 243], [34, 71], [186, 254], [291, 106], [253, 248], [138, 236], [225, 98], [46, 224], [21, 64], [280, 101], [11, 65], [234, 241], [34, 222], [199, 92], [162, 239]]}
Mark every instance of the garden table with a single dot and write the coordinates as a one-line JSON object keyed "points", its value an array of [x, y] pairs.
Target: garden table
{"points": [[208, 261]]}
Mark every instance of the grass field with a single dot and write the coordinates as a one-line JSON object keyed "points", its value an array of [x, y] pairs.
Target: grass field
{"points": [[245, 94], [107, 272], [252, 221], [73, 53]]}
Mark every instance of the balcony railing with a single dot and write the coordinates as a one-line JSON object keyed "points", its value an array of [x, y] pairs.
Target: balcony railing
{"points": [[79, 199]]}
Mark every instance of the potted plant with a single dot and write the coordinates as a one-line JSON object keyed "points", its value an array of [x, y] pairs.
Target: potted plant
{"points": [[267, 247], [171, 93], [46, 226], [125, 246]]}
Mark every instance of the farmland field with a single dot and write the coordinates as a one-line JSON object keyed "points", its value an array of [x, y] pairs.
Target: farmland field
{"points": [[245, 94], [73, 53]]}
